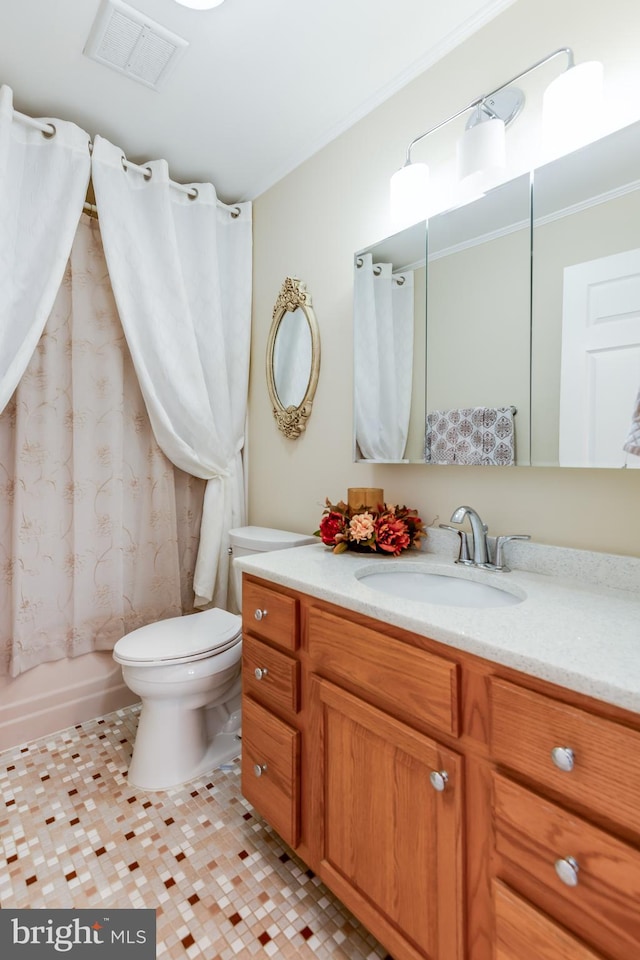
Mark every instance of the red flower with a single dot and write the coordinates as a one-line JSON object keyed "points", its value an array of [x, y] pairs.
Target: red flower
{"points": [[390, 530], [331, 526], [392, 535]]}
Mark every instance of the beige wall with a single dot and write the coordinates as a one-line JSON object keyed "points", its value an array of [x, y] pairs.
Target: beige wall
{"points": [[310, 224]]}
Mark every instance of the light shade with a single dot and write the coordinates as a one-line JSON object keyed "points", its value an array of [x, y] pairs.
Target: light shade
{"points": [[482, 154], [572, 108], [200, 4], [409, 194]]}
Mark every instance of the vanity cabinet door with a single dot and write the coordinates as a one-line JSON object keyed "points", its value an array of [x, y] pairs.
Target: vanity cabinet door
{"points": [[392, 839]]}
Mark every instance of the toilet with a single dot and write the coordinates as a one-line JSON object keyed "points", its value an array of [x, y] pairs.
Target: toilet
{"points": [[187, 673]]}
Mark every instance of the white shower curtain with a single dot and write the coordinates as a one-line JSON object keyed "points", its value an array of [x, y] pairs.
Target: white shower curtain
{"points": [[181, 275], [43, 183], [383, 359]]}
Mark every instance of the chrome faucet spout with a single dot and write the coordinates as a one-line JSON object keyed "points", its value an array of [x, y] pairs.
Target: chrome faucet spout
{"points": [[479, 529]]}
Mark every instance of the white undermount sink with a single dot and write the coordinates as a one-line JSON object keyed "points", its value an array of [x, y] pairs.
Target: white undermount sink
{"points": [[439, 588]]}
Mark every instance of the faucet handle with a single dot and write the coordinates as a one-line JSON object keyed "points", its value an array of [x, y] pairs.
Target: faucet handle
{"points": [[499, 563], [463, 553]]}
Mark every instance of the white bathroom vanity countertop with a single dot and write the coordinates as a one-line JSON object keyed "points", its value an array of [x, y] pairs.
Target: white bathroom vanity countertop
{"points": [[578, 624]]}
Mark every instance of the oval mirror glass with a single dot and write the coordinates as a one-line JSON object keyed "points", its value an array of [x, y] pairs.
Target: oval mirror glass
{"points": [[293, 358]]}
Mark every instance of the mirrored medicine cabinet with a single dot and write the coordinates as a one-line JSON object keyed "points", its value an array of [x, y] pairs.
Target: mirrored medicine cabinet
{"points": [[527, 298]]}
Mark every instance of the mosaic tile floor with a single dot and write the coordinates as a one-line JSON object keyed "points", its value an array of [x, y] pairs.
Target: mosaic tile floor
{"points": [[73, 834]]}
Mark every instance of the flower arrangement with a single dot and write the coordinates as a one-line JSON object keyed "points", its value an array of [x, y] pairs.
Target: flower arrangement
{"points": [[386, 529]]}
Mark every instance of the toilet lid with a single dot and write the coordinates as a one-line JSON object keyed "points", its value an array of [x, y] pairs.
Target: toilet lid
{"points": [[180, 639]]}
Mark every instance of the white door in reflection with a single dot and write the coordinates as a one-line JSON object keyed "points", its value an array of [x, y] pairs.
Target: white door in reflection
{"points": [[600, 372]]}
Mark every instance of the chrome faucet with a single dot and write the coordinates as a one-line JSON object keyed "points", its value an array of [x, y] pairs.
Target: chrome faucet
{"points": [[499, 563], [479, 529]]}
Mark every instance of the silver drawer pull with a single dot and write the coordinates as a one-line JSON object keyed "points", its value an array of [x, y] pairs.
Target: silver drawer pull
{"points": [[564, 758], [260, 672], [439, 779], [567, 870], [259, 769], [260, 614]]}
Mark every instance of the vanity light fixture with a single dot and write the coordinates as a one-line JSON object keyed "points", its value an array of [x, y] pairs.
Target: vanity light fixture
{"points": [[569, 102], [200, 4]]}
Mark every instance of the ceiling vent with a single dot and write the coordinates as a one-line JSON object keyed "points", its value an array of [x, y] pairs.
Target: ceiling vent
{"points": [[128, 41]]}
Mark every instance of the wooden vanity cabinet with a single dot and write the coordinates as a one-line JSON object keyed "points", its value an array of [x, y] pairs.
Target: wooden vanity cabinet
{"points": [[524, 933], [270, 775], [389, 792], [449, 802], [566, 801]]}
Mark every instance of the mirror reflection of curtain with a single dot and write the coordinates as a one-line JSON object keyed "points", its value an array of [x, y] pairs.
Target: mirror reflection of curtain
{"points": [[43, 183], [98, 531], [181, 275], [292, 358], [383, 359]]}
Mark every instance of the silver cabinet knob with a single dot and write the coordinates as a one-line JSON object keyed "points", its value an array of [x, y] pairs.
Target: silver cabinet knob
{"points": [[260, 614], [564, 758], [438, 779], [259, 769], [260, 672], [567, 870]]}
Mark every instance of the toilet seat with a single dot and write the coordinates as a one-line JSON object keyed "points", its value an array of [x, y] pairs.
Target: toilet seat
{"points": [[180, 639]]}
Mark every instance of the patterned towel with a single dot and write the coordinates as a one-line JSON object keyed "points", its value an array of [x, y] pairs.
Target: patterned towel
{"points": [[632, 443], [471, 436]]}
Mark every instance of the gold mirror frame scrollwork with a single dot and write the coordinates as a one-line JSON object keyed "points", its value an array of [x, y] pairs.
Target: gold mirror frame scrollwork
{"points": [[292, 420]]}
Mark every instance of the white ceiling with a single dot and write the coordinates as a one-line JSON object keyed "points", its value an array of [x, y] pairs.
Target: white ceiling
{"points": [[263, 85]]}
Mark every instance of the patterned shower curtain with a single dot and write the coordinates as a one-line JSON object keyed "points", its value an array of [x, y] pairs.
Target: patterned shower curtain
{"points": [[98, 530]]}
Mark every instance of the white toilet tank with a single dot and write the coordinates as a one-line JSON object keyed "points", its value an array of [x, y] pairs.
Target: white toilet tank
{"points": [[245, 541]]}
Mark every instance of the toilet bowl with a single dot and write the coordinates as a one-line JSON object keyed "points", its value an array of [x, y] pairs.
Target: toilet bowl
{"points": [[187, 673]]}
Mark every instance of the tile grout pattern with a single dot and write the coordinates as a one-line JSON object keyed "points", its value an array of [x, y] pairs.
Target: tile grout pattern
{"points": [[224, 885]]}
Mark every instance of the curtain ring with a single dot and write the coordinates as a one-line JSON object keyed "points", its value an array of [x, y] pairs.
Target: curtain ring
{"points": [[235, 213], [50, 134], [192, 193], [148, 173]]}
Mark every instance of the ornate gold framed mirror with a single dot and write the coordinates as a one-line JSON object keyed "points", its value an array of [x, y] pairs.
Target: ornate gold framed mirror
{"points": [[293, 358]]}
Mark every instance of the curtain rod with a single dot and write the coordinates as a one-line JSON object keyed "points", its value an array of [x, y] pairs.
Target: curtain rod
{"points": [[49, 131]]}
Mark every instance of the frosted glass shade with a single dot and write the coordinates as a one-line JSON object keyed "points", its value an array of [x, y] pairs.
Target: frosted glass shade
{"points": [[200, 4], [482, 154], [572, 108], [409, 194]]}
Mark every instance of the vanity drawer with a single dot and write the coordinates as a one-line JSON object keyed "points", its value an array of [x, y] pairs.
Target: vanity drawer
{"points": [[270, 615], [399, 677], [535, 837], [270, 769], [523, 933], [269, 675], [526, 727]]}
